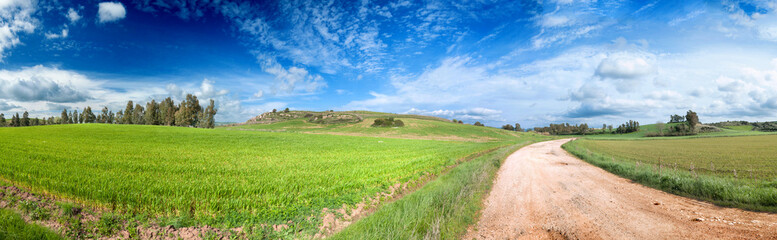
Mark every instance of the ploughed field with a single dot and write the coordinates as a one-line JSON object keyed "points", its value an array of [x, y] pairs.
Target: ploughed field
{"points": [[736, 171], [218, 177]]}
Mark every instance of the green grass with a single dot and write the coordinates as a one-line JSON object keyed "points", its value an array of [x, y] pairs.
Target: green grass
{"points": [[415, 127], [731, 171], [442, 209], [651, 128], [740, 128], [12, 226], [220, 178]]}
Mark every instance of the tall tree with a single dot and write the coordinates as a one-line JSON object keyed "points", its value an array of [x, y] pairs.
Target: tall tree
{"points": [[104, 116], [127, 119], [77, 118], [692, 119], [188, 111], [109, 118], [25, 119], [89, 116], [2, 120], [210, 112], [152, 113], [167, 111], [119, 117], [137, 114], [63, 119], [15, 122]]}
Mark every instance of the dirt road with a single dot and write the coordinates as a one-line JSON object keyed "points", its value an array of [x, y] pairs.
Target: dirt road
{"points": [[542, 192]]}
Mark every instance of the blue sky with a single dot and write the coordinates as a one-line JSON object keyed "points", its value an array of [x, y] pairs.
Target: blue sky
{"points": [[491, 61]]}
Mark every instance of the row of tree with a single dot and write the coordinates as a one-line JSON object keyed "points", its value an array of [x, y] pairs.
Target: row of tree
{"points": [[188, 113], [516, 128], [563, 129]]}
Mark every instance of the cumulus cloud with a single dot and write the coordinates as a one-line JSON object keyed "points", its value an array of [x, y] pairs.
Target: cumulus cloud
{"points": [[16, 16], [43, 84], [63, 34], [73, 15], [471, 114], [111, 11], [623, 67], [4, 106], [289, 80]]}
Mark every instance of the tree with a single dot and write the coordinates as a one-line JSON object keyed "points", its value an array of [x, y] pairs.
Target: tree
{"points": [[188, 111], [274, 110], [63, 119], [25, 119], [109, 118], [286, 110], [676, 119], [478, 124], [604, 127], [508, 127], [460, 122], [167, 111], [518, 127], [2, 120], [119, 118], [609, 128], [128, 111], [15, 122], [89, 116], [454, 121], [660, 127], [692, 119], [152, 113], [210, 114], [137, 114], [104, 116]]}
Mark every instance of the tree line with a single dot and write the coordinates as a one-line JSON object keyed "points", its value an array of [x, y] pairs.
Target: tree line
{"points": [[584, 129], [188, 113]]}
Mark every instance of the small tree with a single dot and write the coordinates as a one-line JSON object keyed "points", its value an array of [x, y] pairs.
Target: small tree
{"points": [[286, 110], [692, 119], [518, 127], [2, 120], [127, 116], [660, 127], [274, 110], [508, 127], [25, 119], [63, 117], [478, 124]]}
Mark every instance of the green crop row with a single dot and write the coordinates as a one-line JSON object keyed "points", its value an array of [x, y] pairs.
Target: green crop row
{"points": [[220, 178]]}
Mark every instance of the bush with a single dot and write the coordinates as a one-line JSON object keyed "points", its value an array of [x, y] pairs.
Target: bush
{"points": [[388, 122]]}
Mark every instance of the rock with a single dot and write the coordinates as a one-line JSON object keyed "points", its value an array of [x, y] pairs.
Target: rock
{"points": [[698, 219], [656, 203]]}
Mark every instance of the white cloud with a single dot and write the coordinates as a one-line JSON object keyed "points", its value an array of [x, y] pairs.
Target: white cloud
{"points": [[259, 94], [472, 114], [111, 11], [16, 16], [43, 84], [63, 34], [73, 15], [624, 66]]}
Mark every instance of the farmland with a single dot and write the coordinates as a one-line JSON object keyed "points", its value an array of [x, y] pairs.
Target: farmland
{"points": [[711, 169], [229, 177]]}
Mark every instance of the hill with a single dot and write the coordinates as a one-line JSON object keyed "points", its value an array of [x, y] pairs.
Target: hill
{"points": [[416, 126]]}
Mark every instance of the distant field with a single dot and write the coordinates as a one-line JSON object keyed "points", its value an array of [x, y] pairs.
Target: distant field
{"points": [[420, 128], [223, 178], [651, 128], [731, 171]]}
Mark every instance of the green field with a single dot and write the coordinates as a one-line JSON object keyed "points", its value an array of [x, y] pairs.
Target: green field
{"points": [[651, 128], [731, 171], [417, 127], [12, 226], [250, 175]]}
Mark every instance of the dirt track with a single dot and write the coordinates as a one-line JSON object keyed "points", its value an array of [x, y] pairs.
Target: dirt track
{"points": [[542, 192]]}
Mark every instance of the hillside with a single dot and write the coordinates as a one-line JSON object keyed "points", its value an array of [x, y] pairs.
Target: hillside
{"points": [[416, 126]]}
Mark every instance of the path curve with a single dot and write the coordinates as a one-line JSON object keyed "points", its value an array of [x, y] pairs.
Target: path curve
{"points": [[542, 192]]}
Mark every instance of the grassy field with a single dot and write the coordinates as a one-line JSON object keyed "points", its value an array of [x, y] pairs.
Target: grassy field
{"points": [[711, 169], [651, 128], [12, 226], [415, 127], [280, 173], [443, 209], [222, 178]]}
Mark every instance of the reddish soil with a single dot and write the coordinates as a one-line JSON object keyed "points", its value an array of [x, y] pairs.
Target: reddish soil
{"points": [[542, 192]]}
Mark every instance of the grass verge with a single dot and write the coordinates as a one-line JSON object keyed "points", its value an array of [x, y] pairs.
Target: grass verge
{"points": [[12, 226], [723, 191], [442, 209]]}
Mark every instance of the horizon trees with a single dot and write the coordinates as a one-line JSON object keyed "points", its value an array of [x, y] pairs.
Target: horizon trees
{"points": [[188, 113]]}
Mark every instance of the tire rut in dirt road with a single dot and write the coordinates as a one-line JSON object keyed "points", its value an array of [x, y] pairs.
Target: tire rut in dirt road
{"points": [[542, 192]]}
